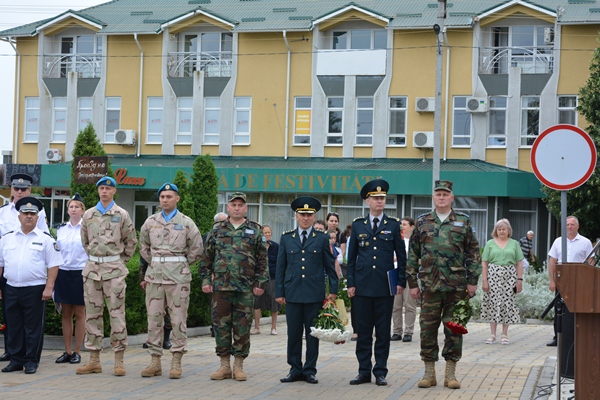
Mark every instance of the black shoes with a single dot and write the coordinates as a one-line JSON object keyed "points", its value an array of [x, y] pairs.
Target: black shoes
{"points": [[30, 370], [407, 338], [360, 379], [75, 358], [395, 337], [65, 358], [5, 357], [311, 379], [380, 380], [292, 378], [12, 368], [553, 343]]}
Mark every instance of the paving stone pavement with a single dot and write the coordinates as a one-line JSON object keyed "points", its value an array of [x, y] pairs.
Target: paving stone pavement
{"points": [[486, 372]]}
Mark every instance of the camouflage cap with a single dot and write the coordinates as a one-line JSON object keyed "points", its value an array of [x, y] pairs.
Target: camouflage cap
{"points": [[29, 204], [306, 205], [443, 185], [236, 195]]}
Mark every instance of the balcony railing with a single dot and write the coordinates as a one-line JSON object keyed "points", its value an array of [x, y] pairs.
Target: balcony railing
{"points": [[214, 64], [87, 65], [532, 60]]}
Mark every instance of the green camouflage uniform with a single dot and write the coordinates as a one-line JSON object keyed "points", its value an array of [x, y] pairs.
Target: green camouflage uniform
{"points": [[450, 259], [238, 259], [105, 235], [169, 281]]}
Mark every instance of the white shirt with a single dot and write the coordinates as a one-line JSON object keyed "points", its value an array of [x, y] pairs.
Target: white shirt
{"points": [[577, 249], [9, 219], [71, 249], [26, 258]]}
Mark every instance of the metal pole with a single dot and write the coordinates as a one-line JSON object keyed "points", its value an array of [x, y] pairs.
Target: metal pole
{"points": [[439, 29], [563, 259]]}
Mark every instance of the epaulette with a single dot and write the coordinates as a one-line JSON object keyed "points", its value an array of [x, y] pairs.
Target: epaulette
{"points": [[46, 233], [9, 232], [358, 218], [320, 231], [424, 214], [254, 222], [288, 232], [61, 225], [4, 205], [394, 218], [462, 214]]}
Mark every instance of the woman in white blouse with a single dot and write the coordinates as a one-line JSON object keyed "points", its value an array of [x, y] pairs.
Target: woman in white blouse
{"points": [[68, 289]]}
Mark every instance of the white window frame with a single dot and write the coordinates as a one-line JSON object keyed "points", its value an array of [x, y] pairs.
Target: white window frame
{"points": [[367, 111], [241, 137], [59, 111], [335, 138], [155, 119], [393, 109], [209, 108], [32, 112], [302, 139], [109, 134], [526, 138], [184, 120], [565, 109], [494, 140], [84, 112], [348, 38], [469, 128]]}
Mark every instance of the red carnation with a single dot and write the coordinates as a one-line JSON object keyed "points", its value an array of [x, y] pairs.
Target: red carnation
{"points": [[456, 328]]}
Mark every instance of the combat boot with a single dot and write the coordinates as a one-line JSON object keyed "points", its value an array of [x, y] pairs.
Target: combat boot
{"points": [[154, 369], [176, 366], [450, 380], [167, 339], [429, 376], [224, 371], [238, 368], [93, 366], [119, 367]]}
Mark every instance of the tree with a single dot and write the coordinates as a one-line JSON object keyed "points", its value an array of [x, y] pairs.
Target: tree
{"points": [[203, 192], [584, 201], [186, 205], [87, 144]]}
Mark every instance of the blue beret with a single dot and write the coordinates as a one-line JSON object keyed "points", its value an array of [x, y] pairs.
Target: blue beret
{"points": [[168, 186], [107, 181]]}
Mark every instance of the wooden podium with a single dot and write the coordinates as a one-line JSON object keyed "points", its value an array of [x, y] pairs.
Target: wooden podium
{"points": [[579, 285]]}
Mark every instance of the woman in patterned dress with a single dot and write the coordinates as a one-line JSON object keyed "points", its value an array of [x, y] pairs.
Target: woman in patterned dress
{"points": [[502, 279]]}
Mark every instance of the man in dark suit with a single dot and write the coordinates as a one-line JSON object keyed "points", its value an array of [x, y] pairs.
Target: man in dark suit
{"points": [[374, 241], [304, 259]]}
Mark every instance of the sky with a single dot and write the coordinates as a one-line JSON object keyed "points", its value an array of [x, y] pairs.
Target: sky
{"points": [[15, 13]]}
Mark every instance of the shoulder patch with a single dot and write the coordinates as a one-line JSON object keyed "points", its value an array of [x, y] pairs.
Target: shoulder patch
{"points": [[56, 247]]}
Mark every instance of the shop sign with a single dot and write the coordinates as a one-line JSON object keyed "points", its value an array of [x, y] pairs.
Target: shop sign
{"points": [[89, 169], [122, 178]]}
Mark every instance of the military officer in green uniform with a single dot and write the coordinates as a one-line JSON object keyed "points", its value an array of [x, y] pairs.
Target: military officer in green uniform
{"points": [[449, 269], [234, 269], [373, 281], [304, 257]]}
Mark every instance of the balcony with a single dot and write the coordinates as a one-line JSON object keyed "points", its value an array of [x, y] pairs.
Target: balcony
{"points": [[214, 64], [84, 64], [532, 60]]}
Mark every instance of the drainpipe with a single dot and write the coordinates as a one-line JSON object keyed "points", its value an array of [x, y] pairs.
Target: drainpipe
{"points": [[287, 95], [446, 95], [17, 101], [139, 139]]}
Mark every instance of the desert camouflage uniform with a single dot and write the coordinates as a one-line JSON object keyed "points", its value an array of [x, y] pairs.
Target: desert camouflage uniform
{"points": [[142, 273], [238, 259], [450, 259], [105, 235], [169, 281]]}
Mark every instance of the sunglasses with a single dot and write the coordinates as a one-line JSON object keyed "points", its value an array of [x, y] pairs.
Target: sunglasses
{"points": [[20, 189]]}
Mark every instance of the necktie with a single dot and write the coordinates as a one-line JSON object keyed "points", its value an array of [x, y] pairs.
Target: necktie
{"points": [[375, 221], [303, 237]]}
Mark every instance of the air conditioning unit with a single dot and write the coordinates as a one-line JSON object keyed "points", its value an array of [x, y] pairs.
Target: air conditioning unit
{"points": [[548, 35], [422, 140], [425, 104], [477, 104], [53, 155], [125, 137]]}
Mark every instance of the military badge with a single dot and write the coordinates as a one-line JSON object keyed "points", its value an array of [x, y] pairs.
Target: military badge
{"points": [[56, 247], [115, 218], [178, 227], [249, 231]]}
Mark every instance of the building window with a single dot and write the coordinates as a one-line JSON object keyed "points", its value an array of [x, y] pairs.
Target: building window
{"points": [[364, 121], [113, 118], [567, 113], [397, 131], [461, 123], [302, 114], [155, 120], [530, 119], [242, 120], [81, 54], [59, 119], [85, 112], [210, 52], [212, 120], [497, 120], [335, 113], [184, 120], [32, 119], [359, 39]]}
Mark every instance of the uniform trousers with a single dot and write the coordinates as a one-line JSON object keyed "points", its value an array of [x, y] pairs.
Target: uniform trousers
{"points": [[25, 312], [300, 317], [374, 312], [5, 332], [174, 298], [405, 301], [232, 314]]}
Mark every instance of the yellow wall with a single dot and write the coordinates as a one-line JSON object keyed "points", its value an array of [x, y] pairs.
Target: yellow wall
{"points": [[496, 156], [28, 48]]}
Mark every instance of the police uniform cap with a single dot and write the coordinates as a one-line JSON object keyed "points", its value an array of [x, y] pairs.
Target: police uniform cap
{"points": [[107, 181], [236, 195], [375, 188], [443, 185], [168, 186], [306, 205], [21, 181], [29, 204], [77, 197]]}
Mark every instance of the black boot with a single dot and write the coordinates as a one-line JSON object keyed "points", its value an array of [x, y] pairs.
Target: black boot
{"points": [[167, 339]]}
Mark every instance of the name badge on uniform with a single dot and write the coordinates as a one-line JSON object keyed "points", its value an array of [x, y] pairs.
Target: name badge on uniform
{"points": [[37, 243], [115, 218], [458, 223], [249, 231], [178, 227]]}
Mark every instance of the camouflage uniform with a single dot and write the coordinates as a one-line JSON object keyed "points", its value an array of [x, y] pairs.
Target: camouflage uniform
{"points": [[169, 280], [106, 235], [238, 259], [450, 259], [142, 273]]}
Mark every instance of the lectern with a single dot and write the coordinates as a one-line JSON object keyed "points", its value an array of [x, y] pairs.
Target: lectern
{"points": [[579, 285]]}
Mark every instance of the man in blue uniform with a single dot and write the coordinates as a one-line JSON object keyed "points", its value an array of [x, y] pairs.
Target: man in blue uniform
{"points": [[304, 257], [373, 281]]}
